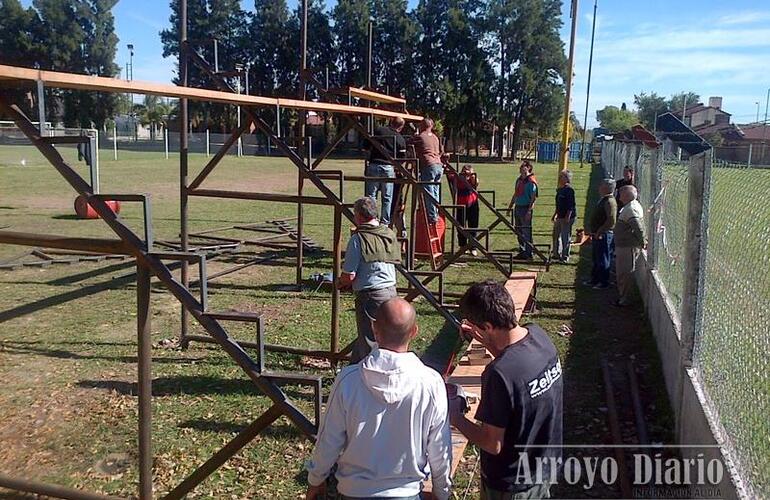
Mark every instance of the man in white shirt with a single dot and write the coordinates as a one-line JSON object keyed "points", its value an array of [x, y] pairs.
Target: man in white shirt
{"points": [[386, 422]]}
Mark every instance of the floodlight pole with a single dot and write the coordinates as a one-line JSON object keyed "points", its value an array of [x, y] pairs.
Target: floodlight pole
{"points": [[570, 66], [183, 148], [588, 87]]}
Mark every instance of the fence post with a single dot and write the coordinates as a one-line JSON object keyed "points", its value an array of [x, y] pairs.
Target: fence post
{"points": [[115, 142], [749, 162], [208, 142], [699, 187], [656, 173], [165, 140]]}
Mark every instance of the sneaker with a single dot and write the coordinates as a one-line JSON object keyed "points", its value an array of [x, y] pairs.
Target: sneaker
{"points": [[619, 303], [475, 252], [588, 283], [565, 260], [600, 286]]}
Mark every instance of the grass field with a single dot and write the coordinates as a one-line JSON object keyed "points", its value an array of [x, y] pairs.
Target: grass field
{"points": [[68, 352]]}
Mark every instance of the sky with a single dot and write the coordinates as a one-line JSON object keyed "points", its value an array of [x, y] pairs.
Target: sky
{"points": [[710, 47]]}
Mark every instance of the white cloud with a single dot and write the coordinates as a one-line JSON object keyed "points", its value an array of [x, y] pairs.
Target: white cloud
{"points": [[745, 17]]}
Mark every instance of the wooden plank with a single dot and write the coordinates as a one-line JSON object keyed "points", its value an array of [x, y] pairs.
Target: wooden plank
{"points": [[59, 79], [476, 357], [375, 96]]}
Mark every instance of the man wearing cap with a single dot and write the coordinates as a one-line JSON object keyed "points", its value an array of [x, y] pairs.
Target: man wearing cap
{"points": [[369, 268]]}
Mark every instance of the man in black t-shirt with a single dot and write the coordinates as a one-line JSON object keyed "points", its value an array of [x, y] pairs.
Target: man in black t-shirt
{"points": [[520, 413], [381, 166]]}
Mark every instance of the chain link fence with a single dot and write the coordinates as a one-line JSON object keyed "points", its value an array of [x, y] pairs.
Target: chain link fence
{"points": [[730, 338]]}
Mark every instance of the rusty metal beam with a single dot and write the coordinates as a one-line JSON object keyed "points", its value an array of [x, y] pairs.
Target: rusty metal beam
{"points": [[100, 245]]}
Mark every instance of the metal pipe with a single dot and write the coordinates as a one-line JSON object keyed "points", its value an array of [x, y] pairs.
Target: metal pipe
{"points": [[570, 67], [636, 400], [617, 439], [144, 382], [49, 490], [588, 88], [100, 245], [183, 166], [336, 271], [220, 457]]}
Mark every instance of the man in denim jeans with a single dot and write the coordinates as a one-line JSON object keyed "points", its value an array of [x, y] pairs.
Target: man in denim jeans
{"points": [[381, 166], [427, 145]]}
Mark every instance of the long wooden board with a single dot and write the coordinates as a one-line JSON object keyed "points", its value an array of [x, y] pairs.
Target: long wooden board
{"points": [[59, 79], [375, 96], [468, 374]]}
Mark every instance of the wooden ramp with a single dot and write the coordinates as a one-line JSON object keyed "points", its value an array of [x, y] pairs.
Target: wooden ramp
{"points": [[522, 287]]}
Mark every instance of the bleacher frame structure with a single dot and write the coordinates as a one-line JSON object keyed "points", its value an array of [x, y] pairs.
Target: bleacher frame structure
{"points": [[152, 262]]}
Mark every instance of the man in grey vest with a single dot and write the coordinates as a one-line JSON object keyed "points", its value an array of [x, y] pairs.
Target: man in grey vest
{"points": [[369, 268]]}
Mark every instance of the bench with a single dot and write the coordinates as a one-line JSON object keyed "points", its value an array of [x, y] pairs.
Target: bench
{"points": [[522, 286]]}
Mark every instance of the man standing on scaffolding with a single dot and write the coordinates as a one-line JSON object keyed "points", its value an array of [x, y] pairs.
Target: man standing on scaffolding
{"points": [[381, 167], [427, 145]]}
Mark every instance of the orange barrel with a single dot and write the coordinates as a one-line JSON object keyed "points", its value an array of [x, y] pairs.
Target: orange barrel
{"points": [[422, 247], [85, 211]]}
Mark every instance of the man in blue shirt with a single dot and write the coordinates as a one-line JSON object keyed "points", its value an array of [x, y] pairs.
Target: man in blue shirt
{"points": [[563, 217], [369, 268]]}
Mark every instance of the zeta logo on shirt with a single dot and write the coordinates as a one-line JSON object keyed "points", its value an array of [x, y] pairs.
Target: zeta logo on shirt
{"points": [[541, 384]]}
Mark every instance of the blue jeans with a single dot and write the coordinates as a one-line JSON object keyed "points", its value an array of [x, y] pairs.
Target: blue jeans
{"points": [[432, 173], [522, 218], [562, 233], [600, 251], [386, 188]]}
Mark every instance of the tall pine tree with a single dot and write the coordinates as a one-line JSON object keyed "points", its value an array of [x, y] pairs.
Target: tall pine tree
{"points": [[351, 29]]}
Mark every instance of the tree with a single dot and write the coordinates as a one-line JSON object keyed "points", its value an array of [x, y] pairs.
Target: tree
{"points": [[18, 44], [649, 107], [275, 52], [676, 101], [351, 30], [222, 20], [153, 112], [615, 119], [530, 55], [394, 36]]}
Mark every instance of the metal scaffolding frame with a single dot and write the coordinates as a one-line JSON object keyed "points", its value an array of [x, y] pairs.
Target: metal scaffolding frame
{"points": [[150, 262]]}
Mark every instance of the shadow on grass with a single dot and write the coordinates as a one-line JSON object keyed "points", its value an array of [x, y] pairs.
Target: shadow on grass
{"points": [[22, 348], [192, 385], [276, 429]]}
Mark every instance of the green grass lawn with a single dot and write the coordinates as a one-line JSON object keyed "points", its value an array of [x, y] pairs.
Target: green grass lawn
{"points": [[68, 347]]}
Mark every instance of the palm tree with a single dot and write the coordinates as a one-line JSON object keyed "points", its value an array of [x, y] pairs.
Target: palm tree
{"points": [[153, 112]]}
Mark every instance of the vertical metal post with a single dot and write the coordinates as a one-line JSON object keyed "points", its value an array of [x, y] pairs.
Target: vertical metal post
{"points": [[699, 187], [115, 142], [570, 65], [588, 87], [336, 271], [41, 107], [369, 118], [749, 158], [183, 149], [303, 141], [165, 140], [144, 379], [413, 225], [239, 148], [208, 144], [216, 56]]}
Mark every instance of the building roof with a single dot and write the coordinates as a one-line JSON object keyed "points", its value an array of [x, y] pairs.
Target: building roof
{"points": [[696, 108], [729, 131], [755, 131]]}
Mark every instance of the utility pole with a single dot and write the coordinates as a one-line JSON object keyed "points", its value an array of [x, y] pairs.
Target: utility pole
{"points": [[570, 65], [588, 88]]}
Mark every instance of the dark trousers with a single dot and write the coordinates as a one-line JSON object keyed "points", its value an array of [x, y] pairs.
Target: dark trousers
{"points": [[602, 258], [522, 218], [468, 217]]}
